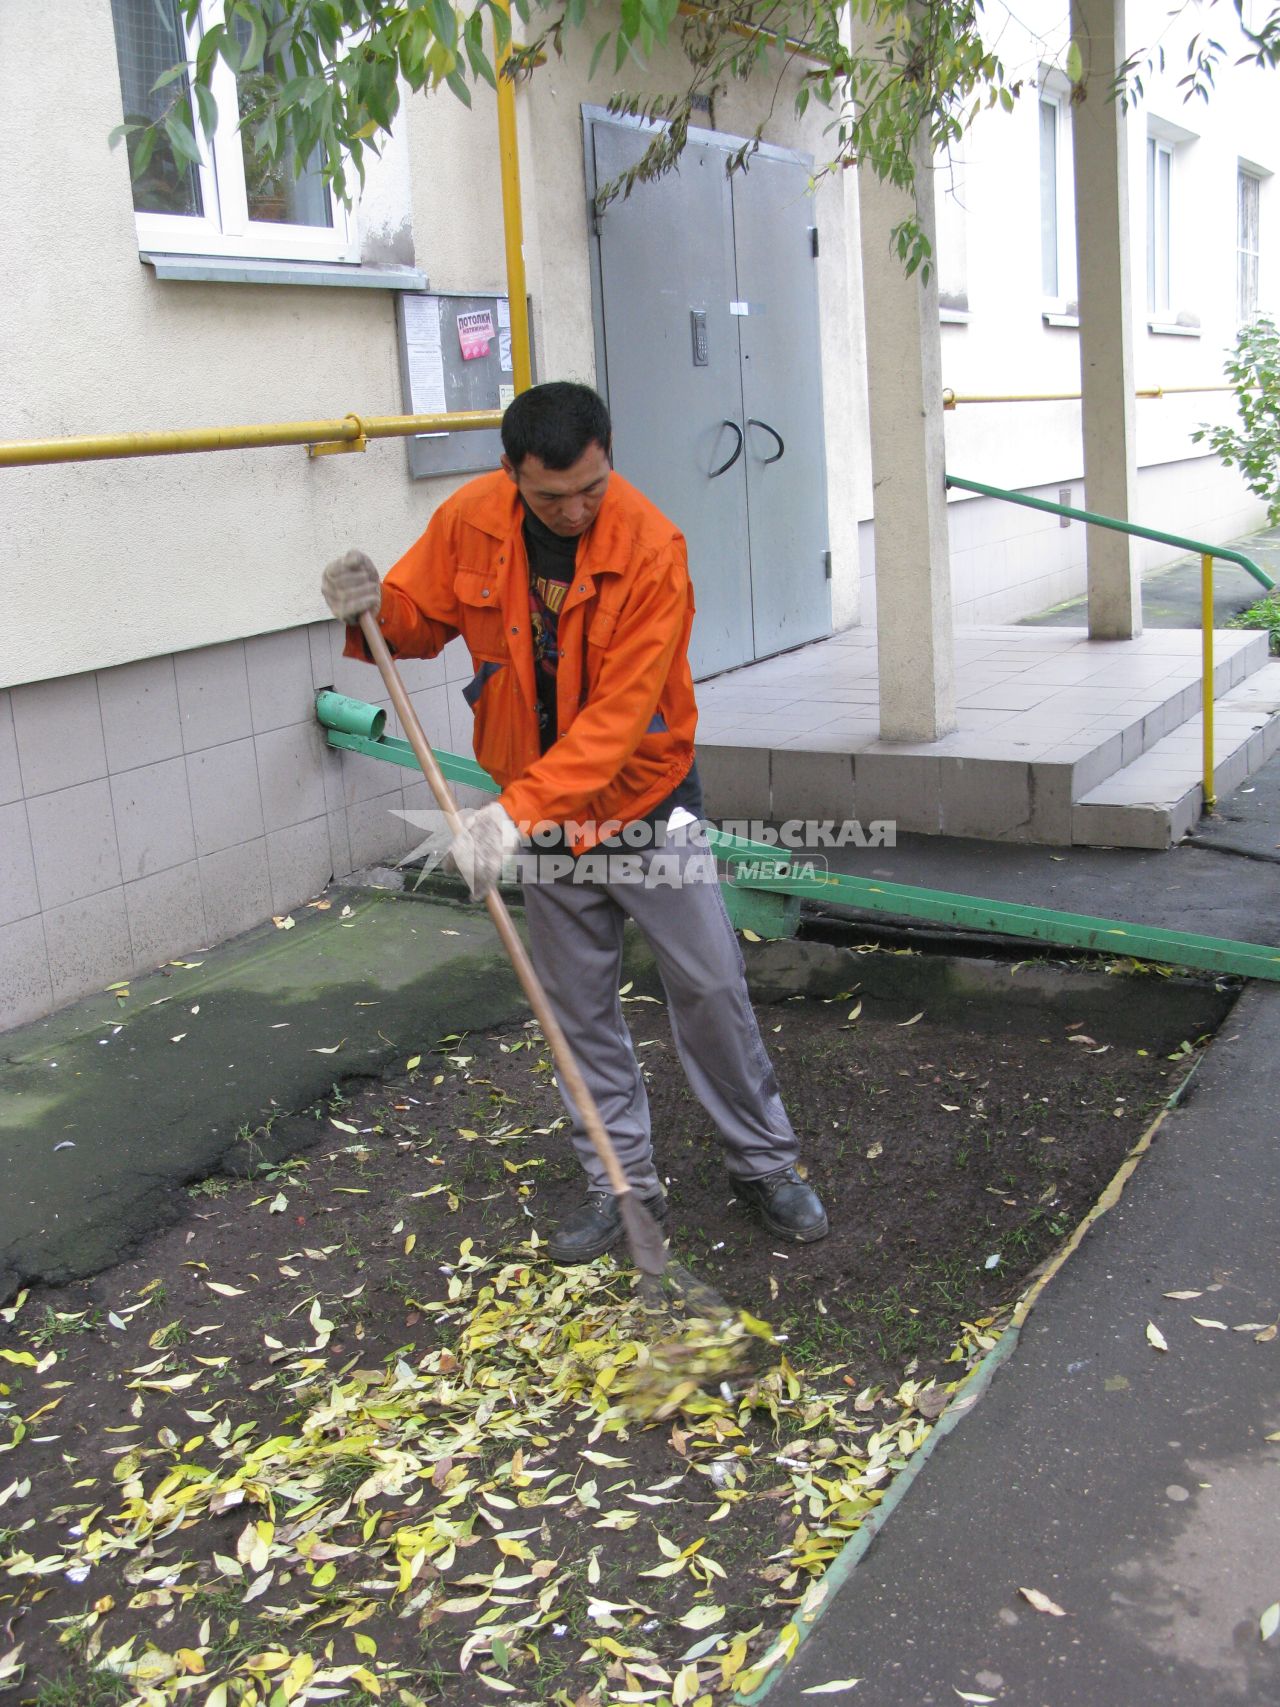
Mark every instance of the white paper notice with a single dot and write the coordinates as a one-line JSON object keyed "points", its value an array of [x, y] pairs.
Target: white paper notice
{"points": [[506, 396], [425, 357], [504, 334]]}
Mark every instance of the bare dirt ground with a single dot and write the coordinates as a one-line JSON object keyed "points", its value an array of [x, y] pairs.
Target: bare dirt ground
{"points": [[344, 1433]]}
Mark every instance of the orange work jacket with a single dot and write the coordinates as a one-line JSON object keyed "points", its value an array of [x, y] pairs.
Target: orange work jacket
{"points": [[624, 691]]}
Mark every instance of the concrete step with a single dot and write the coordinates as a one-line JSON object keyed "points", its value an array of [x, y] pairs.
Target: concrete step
{"points": [[1159, 797], [1045, 718], [1139, 734]]}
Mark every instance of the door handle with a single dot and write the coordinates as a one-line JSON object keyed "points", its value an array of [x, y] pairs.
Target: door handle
{"points": [[737, 452], [774, 434]]}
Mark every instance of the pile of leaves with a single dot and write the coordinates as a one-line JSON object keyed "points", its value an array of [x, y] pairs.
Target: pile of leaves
{"points": [[344, 1433], [461, 1500]]}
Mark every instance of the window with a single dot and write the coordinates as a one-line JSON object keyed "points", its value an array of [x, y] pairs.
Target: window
{"points": [[237, 201], [1159, 227], [950, 249], [1057, 201], [1248, 198]]}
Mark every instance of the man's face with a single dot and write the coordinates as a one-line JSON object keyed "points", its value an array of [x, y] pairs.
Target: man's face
{"points": [[566, 500]]}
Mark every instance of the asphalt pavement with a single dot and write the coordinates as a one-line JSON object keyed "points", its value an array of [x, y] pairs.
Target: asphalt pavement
{"points": [[1137, 1488]]}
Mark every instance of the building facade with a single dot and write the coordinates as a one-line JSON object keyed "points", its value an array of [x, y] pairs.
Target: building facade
{"points": [[1202, 251], [163, 783]]}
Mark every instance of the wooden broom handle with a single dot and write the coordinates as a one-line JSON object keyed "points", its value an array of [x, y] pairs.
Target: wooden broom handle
{"points": [[566, 1065]]}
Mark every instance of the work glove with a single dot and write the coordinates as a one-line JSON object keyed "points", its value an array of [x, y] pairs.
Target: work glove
{"points": [[487, 840], [350, 585]]}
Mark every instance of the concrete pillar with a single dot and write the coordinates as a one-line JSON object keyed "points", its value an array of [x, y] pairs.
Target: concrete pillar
{"points": [[1100, 152], [914, 626]]}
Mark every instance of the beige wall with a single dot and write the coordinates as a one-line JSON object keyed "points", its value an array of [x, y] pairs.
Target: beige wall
{"points": [[164, 554], [125, 560], [163, 783]]}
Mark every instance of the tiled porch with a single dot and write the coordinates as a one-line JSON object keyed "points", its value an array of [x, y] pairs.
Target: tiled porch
{"points": [[1060, 738]]}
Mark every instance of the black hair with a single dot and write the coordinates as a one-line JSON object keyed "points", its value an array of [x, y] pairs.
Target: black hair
{"points": [[556, 423]]}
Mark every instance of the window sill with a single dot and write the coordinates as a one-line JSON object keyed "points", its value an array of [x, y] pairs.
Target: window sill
{"points": [[1172, 329], [954, 316], [228, 269], [1059, 317]]}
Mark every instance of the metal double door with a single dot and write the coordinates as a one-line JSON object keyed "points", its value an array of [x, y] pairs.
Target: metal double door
{"points": [[708, 344]]}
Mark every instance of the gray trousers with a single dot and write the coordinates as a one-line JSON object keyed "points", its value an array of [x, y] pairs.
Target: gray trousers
{"points": [[575, 937]]}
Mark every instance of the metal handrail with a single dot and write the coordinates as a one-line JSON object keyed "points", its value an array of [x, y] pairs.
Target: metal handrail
{"points": [[1207, 554], [1197, 545], [750, 32], [951, 398], [320, 437]]}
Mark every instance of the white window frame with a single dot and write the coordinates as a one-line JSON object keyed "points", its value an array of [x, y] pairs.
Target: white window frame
{"points": [[1161, 281], [951, 261], [225, 227], [1245, 173], [1055, 99]]}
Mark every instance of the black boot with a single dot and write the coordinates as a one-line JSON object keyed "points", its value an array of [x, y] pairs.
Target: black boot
{"points": [[595, 1226], [787, 1205]]}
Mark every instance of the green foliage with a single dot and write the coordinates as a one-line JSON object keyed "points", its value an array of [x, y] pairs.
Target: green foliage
{"points": [[1253, 367], [318, 80], [913, 81], [1264, 614], [320, 77], [217, 1185], [55, 1325], [1259, 40]]}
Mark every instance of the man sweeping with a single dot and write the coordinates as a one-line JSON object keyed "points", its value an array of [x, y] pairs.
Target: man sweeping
{"points": [[571, 591]]}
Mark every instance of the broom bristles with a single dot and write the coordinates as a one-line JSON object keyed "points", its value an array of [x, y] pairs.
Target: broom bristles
{"points": [[644, 1236]]}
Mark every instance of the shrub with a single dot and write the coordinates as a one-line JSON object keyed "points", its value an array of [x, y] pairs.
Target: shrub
{"points": [[1265, 614], [1253, 367]]}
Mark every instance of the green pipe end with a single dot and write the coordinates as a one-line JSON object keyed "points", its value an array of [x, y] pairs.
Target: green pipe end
{"points": [[351, 716]]}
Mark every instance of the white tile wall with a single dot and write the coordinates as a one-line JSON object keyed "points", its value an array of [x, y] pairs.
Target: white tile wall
{"points": [[155, 808]]}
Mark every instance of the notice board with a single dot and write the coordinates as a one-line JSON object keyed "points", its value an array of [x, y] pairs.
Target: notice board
{"points": [[455, 355]]}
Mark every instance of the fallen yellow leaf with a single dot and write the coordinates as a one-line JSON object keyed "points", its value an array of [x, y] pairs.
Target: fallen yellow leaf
{"points": [[1041, 1602]]}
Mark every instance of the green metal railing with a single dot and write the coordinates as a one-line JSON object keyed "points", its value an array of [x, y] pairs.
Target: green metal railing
{"points": [[1197, 545], [776, 883], [1207, 554]]}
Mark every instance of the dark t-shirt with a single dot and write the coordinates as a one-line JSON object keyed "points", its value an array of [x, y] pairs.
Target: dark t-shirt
{"points": [[551, 565], [551, 561]]}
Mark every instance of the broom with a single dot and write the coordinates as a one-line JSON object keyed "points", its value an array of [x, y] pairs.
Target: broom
{"points": [[644, 1236]]}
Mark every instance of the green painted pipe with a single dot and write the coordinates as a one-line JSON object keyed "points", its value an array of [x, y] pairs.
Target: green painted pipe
{"points": [[1196, 545], [1218, 955], [398, 752], [349, 716], [1117, 937]]}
